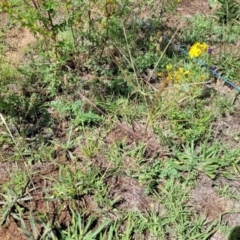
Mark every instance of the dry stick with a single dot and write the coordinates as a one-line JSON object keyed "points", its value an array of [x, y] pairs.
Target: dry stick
{"points": [[36, 5], [71, 29], [160, 90], [119, 64], [91, 103], [37, 8], [165, 49], [29, 3], [163, 85], [105, 40], [124, 56], [132, 63], [130, 55], [147, 82]]}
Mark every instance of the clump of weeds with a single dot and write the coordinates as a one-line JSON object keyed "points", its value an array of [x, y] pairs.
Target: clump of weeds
{"points": [[125, 112]]}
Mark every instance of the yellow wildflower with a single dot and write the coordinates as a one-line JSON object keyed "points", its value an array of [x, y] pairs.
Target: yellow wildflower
{"points": [[197, 49], [169, 78], [177, 76], [160, 74], [169, 67], [181, 71]]}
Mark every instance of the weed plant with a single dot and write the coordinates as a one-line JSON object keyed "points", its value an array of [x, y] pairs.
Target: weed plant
{"points": [[100, 85]]}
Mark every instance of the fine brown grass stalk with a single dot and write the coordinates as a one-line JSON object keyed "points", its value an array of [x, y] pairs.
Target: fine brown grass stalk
{"points": [[162, 86]]}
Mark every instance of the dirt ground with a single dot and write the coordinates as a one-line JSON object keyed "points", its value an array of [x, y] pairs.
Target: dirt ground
{"points": [[204, 198], [16, 41]]}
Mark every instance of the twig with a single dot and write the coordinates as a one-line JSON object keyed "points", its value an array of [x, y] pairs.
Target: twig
{"points": [[163, 85], [91, 103]]}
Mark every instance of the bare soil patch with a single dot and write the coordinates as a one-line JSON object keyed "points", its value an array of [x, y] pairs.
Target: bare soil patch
{"points": [[227, 129], [206, 200], [11, 232], [189, 8], [16, 41], [130, 194]]}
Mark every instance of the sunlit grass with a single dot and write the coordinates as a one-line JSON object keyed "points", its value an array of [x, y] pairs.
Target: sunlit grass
{"points": [[130, 124]]}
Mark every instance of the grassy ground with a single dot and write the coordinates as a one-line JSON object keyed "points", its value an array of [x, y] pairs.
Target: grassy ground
{"points": [[116, 122]]}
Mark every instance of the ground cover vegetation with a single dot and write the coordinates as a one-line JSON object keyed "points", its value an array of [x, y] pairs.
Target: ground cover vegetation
{"points": [[115, 121]]}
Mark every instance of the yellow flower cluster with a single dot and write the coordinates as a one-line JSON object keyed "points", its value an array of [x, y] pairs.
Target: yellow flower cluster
{"points": [[177, 75], [197, 49]]}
